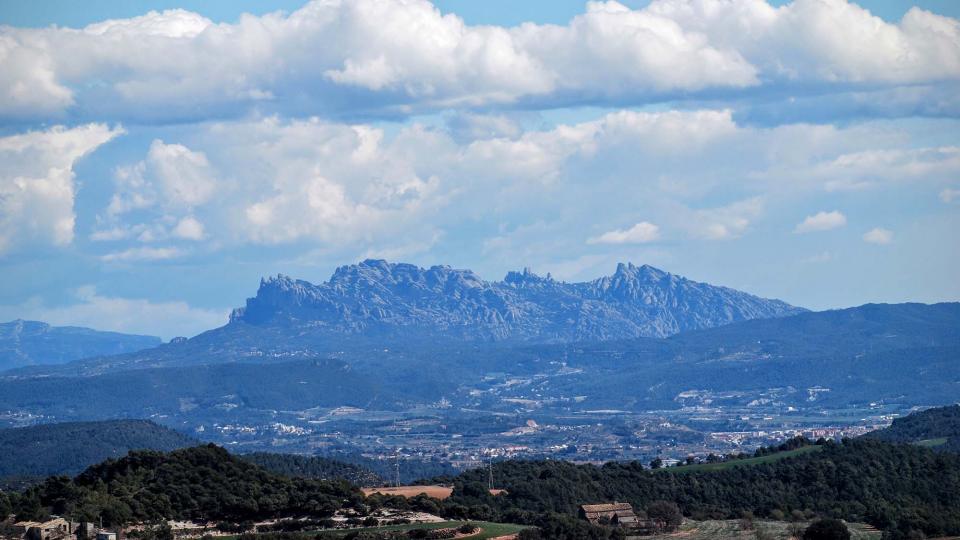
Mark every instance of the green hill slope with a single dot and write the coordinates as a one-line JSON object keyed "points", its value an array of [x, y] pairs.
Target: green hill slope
{"points": [[937, 428], [69, 448]]}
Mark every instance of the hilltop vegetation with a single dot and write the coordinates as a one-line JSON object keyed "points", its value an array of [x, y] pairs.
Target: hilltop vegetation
{"points": [[899, 488], [889, 486], [937, 428], [202, 483], [316, 467], [36, 452]]}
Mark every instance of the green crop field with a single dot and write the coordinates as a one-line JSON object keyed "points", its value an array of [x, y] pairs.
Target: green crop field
{"points": [[741, 462], [930, 443]]}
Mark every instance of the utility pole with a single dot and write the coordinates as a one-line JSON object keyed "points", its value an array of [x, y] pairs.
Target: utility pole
{"points": [[490, 474], [397, 471]]}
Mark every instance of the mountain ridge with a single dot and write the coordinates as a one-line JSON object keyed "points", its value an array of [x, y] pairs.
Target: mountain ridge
{"points": [[27, 343], [378, 297]]}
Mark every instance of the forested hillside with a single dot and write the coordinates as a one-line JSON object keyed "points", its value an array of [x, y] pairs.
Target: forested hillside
{"points": [[899, 487], [69, 448], [316, 467], [937, 428], [203, 483]]}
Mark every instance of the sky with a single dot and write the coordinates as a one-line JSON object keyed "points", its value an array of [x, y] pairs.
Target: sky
{"points": [[157, 158]]}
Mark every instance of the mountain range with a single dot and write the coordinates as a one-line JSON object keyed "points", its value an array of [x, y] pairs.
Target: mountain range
{"points": [[366, 305], [905, 353], [27, 343], [375, 297], [381, 336]]}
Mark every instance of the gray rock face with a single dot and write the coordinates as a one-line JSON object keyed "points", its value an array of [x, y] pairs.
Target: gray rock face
{"points": [[379, 298]]}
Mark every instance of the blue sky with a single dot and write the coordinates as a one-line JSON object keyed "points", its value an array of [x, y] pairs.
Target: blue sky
{"points": [[498, 12], [158, 158]]}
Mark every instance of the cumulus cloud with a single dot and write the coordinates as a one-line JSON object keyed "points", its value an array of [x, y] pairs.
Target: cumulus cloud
{"points": [[948, 195], [184, 176], [879, 236], [725, 222], [37, 186], [641, 233], [143, 254], [344, 186], [172, 175], [821, 221], [189, 228], [91, 309], [400, 56], [161, 192]]}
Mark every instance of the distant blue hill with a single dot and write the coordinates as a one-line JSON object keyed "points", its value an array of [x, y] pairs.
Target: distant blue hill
{"points": [[28, 453], [900, 353], [30, 343]]}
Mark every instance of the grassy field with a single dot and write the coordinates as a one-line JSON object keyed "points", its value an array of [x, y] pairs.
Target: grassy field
{"points": [[931, 443], [730, 530], [741, 462], [487, 529]]}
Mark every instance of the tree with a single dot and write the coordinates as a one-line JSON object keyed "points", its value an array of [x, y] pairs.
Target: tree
{"points": [[5, 507], [827, 529], [656, 463], [666, 513], [746, 521]]}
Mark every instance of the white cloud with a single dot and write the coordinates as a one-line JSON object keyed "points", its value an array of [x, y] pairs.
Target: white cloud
{"points": [[37, 185], [641, 233], [948, 195], [130, 315], [184, 176], [825, 40], [363, 188], [407, 56], [821, 221], [171, 175], [162, 191], [143, 254], [878, 236], [189, 228], [725, 222]]}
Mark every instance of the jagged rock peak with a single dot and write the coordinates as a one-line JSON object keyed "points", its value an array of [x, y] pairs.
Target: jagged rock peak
{"points": [[525, 278], [378, 296]]}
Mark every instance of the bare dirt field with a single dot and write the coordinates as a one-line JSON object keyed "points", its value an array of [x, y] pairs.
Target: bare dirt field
{"points": [[437, 492]]}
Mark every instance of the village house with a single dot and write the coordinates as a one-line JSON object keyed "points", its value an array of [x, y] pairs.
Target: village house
{"points": [[615, 513], [618, 514], [52, 529]]}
